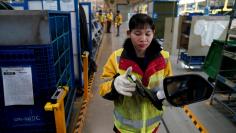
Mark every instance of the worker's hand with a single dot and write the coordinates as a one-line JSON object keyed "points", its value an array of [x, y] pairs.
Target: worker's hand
{"points": [[159, 90], [124, 86], [161, 95]]}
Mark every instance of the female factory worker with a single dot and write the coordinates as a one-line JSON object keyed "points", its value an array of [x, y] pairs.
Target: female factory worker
{"points": [[141, 52]]}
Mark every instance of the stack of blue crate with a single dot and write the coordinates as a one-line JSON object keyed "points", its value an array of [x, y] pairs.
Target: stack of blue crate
{"points": [[41, 41], [192, 60]]}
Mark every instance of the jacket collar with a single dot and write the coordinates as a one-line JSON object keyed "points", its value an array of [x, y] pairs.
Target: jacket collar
{"points": [[152, 51]]}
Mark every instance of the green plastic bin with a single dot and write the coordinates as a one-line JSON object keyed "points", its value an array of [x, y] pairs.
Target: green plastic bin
{"points": [[213, 59]]}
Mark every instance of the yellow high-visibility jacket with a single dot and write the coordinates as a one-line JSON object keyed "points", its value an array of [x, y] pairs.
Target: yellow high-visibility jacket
{"points": [[101, 18], [109, 16], [135, 114], [118, 20]]}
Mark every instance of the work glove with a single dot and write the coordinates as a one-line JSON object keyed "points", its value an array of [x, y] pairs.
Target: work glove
{"points": [[124, 86], [161, 95], [159, 90]]}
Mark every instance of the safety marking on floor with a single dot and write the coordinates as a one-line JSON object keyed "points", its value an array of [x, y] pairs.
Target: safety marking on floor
{"points": [[90, 85], [194, 119], [83, 110]]}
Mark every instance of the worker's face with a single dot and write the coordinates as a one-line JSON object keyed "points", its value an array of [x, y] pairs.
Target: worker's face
{"points": [[141, 39]]}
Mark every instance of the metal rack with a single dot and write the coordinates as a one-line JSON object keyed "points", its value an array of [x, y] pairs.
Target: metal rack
{"points": [[225, 81], [44, 49]]}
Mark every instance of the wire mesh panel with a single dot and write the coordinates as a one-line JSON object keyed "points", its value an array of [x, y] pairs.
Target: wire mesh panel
{"points": [[47, 50]]}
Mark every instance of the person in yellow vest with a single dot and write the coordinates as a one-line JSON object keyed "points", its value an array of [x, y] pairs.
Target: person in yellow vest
{"points": [[101, 18], [109, 20], [118, 22], [143, 59]]}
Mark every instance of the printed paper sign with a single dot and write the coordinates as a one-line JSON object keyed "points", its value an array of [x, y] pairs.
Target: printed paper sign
{"points": [[17, 86]]}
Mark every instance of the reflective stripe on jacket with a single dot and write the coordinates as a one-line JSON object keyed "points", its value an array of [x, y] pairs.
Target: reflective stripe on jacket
{"points": [[136, 113]]}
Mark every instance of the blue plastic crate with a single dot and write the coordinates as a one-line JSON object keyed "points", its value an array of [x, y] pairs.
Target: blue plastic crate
{"points": [[39, 58], [189, 17], [44, 82], [15, 119], [183, 56], [194, 60], [51, 64]]}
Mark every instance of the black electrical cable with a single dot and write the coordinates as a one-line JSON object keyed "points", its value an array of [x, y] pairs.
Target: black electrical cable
{"points": [[84, 40], [5, 6]]}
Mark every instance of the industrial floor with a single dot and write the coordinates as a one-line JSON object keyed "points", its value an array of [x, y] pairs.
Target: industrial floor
{"points": [[99, 114]]}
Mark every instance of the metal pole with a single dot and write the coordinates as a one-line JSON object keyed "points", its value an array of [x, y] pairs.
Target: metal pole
{"points": [[85, 73], [233, 14], [59, 110], [167, 130]]}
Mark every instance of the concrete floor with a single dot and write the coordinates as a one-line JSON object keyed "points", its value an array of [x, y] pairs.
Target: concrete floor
{"points": [[99, 115]]}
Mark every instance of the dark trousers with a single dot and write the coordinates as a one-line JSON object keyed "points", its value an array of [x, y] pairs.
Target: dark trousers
{"points": [[118, 30], [102, 24], [108, 26]]}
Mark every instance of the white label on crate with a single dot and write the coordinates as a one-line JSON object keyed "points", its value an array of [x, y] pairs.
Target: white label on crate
{"points": [[67, 5], [17, 86], [50, 4]]}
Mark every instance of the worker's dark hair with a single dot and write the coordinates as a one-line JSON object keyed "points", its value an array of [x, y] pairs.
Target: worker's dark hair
{"points": [[140, 21], [117, 11]]}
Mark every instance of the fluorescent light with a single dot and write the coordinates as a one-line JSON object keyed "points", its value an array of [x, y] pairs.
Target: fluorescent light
{"points": [[181, 2]]}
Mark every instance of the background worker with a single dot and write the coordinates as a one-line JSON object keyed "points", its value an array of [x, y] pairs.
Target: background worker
{"points": [[118, 22], [109, 20], [143, 58], [101, 18]]}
